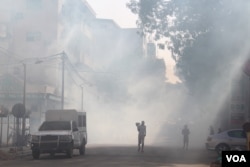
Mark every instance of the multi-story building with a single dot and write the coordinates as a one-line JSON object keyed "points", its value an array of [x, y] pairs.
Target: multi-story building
{"points": [[236, 110], [29, 31], [112, 43]]}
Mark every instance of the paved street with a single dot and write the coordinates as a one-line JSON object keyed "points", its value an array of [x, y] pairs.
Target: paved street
{"points": [[113, 156]]}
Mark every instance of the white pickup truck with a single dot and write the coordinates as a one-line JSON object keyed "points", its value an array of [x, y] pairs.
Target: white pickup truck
{"points": [[61, 132]]}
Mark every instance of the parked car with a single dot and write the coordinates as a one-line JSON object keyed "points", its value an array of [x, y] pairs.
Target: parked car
{"points": [[232, 139]]}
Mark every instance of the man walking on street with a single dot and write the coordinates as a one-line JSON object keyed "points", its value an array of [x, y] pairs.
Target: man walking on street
{"points": [[185, 133], [141, 135]]}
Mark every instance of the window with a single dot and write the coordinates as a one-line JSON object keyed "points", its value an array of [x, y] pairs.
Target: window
{"points": [[74, 125], [33, 36], [17, 16], [236, 134], [237, 107], [82, 120], [3, 31], [237, 91], [55, 125], [34, 4]]}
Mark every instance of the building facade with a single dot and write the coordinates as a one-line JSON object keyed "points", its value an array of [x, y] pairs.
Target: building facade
{"points": [[34, 33], [34, 29]]}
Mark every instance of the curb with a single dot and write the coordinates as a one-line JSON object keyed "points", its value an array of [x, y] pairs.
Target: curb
{"points": [[13, 153], [23, 153]]}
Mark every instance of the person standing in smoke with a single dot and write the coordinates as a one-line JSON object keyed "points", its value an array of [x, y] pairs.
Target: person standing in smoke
{"points": [[211, 130], [219, 130], [141, 135], [185, 133]]}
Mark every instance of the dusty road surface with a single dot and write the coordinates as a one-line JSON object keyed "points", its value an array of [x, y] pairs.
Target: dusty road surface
{"points": [[113, 156]]}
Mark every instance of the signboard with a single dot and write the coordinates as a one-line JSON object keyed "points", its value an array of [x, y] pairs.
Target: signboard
{"points": [[18, 110], [237, 107]]}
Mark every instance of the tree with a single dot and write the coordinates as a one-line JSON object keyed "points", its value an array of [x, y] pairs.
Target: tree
{"points": [[205, 37]]}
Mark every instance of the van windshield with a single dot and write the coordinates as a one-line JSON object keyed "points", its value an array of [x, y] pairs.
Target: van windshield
{"points": [[55, 125]]}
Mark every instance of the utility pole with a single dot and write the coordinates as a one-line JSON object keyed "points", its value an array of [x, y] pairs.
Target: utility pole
{"points": [[62, 96], [62, 56], [24, 101], [82, 98]]}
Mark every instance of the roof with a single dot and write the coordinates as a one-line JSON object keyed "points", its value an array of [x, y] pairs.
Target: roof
{"points": [[89, 7], [107, 21]]}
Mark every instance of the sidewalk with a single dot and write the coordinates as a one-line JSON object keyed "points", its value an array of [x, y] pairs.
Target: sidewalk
{"points": [[8, 153]]}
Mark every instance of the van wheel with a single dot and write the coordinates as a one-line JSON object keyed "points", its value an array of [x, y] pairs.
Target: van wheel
{"points": [[82, 149], [69, 152], [35, 154]]}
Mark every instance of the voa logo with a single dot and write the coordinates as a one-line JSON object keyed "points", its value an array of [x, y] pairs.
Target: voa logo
{"points": [[236, 158]]}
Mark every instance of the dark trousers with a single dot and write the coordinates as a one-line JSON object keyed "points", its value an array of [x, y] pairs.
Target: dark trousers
{"points": [[185, 142], [141, 142]]}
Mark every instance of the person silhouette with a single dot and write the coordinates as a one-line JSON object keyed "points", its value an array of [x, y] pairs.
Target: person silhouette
{"points": [[211, 130], [141, 135], [185, 133]]}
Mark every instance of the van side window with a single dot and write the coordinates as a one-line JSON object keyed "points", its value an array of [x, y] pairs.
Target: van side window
{"points": [[236, 134], [82, 120], [74, 125]]}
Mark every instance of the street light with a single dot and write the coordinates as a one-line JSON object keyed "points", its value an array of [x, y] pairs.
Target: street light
{"points": [[82, 92], [24, 100], [62, 96], [24, 103], [24, 85], [82, 97]]}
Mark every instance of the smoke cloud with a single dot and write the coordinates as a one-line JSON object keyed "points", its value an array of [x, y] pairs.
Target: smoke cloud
{"points": [[125, 87]]}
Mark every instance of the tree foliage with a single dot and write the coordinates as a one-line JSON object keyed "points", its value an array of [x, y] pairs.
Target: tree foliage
{"points": [[205, 37]]}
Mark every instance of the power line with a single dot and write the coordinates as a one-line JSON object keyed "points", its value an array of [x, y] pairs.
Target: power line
{"points": [[73, 68], [98, 72], [43, 59], [9, 53], [71, 76], [9, 64]]}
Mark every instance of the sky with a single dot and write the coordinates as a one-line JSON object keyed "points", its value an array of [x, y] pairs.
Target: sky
{"points": [[135, 109], [113, 102], [116, 10]]}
